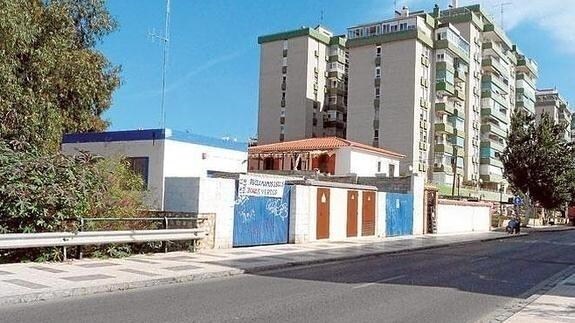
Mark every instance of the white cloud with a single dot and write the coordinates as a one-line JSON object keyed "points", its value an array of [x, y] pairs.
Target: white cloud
{"points": [[556, 17]]}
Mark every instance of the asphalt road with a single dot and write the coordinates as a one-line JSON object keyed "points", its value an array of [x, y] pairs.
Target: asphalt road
{"points": [[465, 283]]}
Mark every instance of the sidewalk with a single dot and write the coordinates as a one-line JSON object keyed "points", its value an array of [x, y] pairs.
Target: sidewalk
{"points": [[557, 305], [28, 282]]}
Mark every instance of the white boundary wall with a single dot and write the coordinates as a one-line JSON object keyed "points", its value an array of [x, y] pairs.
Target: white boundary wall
{"points": [[459, 217], [205, 195]]}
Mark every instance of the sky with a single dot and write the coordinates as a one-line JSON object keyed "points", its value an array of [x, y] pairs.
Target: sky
{"points": [[213, 61]]}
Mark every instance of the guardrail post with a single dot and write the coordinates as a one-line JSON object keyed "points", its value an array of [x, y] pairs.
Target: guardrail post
{"points": [[79, 253], [165, 243]]}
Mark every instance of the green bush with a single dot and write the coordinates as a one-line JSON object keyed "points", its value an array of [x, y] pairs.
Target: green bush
{"points": [[48, 193]]}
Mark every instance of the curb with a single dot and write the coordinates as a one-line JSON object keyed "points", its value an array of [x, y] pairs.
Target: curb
{"points": [[115, 287]]}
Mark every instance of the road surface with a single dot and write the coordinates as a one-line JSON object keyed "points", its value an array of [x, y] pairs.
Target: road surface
{"points": [[464, 283]]}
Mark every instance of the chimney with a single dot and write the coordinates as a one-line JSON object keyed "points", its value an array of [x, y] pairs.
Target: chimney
{"points": [[404, 11]]}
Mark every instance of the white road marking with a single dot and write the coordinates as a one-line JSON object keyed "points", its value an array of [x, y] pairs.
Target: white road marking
{"points": [[379, 281]]}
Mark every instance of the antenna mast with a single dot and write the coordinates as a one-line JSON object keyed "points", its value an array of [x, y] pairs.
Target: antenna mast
{"points": [[165, 39], [502, 11]]}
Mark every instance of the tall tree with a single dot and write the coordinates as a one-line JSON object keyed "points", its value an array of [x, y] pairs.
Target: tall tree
{"points": [[538, 161], [53, 79]]}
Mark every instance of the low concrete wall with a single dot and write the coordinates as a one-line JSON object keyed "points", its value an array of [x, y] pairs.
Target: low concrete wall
{"points": [[205, 195], [459, 217]]}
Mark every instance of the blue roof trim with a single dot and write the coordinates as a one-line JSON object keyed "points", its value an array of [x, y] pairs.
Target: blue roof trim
{"points": [[129, 135], [153, 134]]}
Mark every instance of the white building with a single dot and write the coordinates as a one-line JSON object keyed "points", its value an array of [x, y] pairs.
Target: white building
{"points": [[158, 154], [328, 155]]}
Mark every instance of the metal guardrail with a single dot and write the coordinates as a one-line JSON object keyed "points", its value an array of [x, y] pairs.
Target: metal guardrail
{"points": [[67, 239], [83, 238]]}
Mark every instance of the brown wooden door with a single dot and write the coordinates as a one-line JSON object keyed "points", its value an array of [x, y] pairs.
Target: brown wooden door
{"points": [[322, 225], [368, 216], [352, 213]]}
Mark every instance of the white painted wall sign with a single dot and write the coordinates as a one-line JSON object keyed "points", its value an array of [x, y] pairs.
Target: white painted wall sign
{"points": [[260, 186]]}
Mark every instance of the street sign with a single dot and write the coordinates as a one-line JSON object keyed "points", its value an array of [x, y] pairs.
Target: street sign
{"points": [[517, 200]]}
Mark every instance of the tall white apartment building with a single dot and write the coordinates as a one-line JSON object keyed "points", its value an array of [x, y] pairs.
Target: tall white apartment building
{"points": [[549, 101], [507, 79], [303, 85], [390, 90], [437, 87]]}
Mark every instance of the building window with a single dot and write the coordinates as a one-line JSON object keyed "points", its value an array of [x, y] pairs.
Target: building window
{"points": [[376, 133], [284, 61], [378, 51], [391, 170], [285, 44], [139, 165], [403, 26], [379, 167], [378, 72], [377, 92]]}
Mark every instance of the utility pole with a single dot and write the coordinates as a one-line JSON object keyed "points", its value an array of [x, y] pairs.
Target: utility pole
{"points": [[165, 39]]}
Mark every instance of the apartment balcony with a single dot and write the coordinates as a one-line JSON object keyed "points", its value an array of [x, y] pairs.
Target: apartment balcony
{"points": [[443, 127], [491, 161], [446, 44], [527, 64], [525, 78], [489, 128], [492, 112], [460, 75], [495, 49], [460, 153], [445, 148], [444, 86], [497, 81], [443, 167], [488, 27], [492, 145], [459, 133], [339, 124], [495, 96], [444, 66], [492, 64], [460, 95], [445, 107], [340, 91]]}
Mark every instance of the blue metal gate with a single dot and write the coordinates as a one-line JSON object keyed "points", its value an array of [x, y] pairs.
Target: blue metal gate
{"points": [[399, 214], [261, 220]]}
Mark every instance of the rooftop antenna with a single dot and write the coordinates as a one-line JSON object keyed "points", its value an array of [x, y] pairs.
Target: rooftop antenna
{"points": [[321, 17], [502, 6], [165, 39]]}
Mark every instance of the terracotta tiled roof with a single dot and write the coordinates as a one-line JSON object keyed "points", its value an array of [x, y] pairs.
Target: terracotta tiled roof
{"points": [[311, 144]]}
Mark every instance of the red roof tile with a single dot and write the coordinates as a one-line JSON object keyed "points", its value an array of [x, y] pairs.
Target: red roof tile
{"points": [[324, 143]]}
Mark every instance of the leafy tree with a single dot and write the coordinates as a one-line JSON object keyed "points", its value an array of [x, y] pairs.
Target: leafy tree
{"points": [[53, 79], [538, 161], [42, 192]]}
